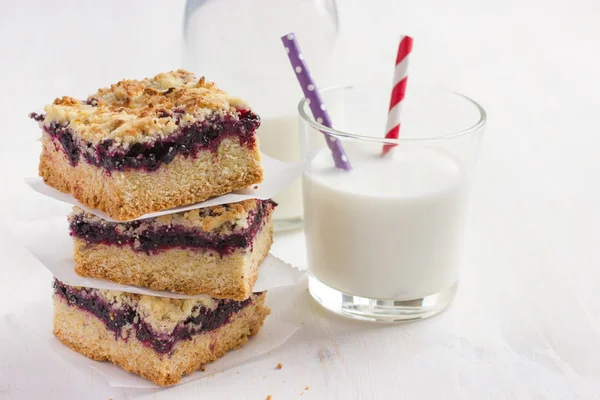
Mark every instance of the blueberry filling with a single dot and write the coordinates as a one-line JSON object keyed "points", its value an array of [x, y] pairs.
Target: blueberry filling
{"points": [[37, 117], [64, 137], [115, 319], [71, 149], [188, 141], [153, 239]]}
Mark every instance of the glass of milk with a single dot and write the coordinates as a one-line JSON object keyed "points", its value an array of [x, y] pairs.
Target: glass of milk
{"points": [[236, 43], [384, 241]]}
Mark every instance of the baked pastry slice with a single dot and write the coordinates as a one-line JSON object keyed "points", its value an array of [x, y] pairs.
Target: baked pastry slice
{"points": [[144, 146], [214, 250], [159, 338]]}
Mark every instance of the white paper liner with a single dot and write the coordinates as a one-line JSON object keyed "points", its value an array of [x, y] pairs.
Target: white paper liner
{"points": [[36, 326], [48, 240], [278, 175]]}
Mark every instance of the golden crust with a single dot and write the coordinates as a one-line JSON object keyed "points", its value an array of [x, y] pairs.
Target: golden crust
{"points": [[191, 272], [86, 334], [143, 111], [131, 194]]}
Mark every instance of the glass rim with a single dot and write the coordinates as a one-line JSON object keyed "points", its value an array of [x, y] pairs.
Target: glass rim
{"points": [[342, 134]]}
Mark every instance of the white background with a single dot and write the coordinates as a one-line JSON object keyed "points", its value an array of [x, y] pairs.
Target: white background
{"points": [[526, 322]]}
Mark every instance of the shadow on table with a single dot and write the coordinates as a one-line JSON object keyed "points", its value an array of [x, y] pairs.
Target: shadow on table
{"points": [[294, 304]]}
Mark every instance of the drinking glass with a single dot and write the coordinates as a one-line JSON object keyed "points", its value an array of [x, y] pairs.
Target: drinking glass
{"points": [[384, 240]]}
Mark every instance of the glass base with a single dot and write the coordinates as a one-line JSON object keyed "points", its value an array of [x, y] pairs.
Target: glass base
{"points": [[287, 224], [376, 309]]}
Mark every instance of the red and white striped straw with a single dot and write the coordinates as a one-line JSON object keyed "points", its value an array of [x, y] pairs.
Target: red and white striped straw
{"points": [[398, 91]]}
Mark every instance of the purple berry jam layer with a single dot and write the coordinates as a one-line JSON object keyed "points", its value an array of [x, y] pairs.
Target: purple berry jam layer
{"points": [[120, 310], [187, 141], [234, 226]]}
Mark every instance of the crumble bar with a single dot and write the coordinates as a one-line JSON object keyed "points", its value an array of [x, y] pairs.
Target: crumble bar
{"points": [[214, 250], [158, 338], [144, 146]]}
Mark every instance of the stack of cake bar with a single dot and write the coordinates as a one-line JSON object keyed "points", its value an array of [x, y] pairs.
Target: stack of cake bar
{"points": [[139, 147]]}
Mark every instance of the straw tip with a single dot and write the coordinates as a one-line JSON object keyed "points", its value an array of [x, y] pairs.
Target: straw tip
{"points": [[406, 41], [288, 36]]}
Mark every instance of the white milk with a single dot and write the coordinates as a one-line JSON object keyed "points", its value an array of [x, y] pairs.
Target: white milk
{"points": [[389, 229], [279, 139]]}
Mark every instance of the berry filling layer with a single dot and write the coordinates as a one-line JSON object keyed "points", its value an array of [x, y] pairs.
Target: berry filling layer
{"points": [[125, 319], [149, 236], [187, 141]]}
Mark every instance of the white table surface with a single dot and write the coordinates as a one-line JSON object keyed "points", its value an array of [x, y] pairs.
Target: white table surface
{"points": [[526, 322]]}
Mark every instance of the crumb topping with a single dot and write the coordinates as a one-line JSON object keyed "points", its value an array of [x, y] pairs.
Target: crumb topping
{"points": [[116, 298], [162, 313], [143, 111], [222, 219], [212, 218]]}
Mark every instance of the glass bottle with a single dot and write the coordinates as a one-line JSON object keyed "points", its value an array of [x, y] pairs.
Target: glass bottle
{"points": [[236, 43]]}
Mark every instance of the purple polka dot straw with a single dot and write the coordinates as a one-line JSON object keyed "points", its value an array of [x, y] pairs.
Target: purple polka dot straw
{"points": [[318, 108]]}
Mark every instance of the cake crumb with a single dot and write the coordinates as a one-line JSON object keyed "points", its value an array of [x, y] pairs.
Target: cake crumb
{"points": [[133, 111], [202, 368], [269, 397], [306, 388], [279, 366]]}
